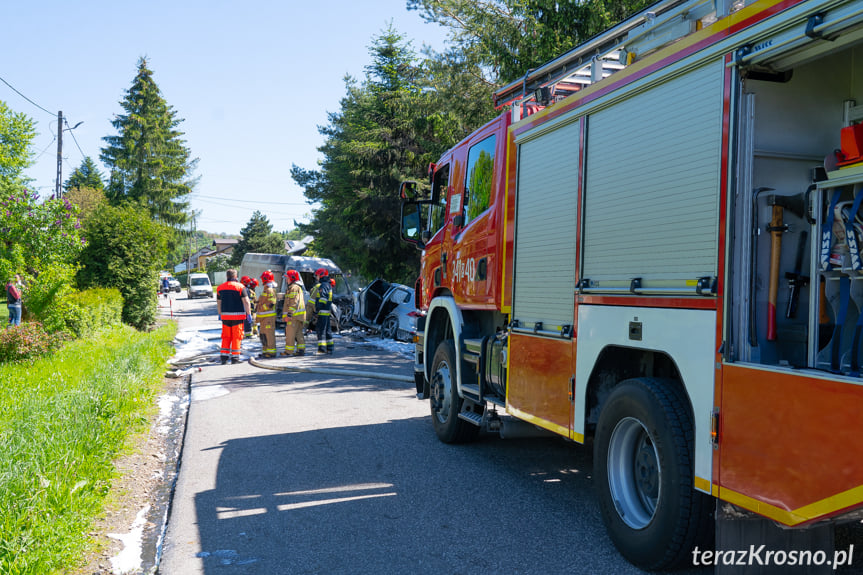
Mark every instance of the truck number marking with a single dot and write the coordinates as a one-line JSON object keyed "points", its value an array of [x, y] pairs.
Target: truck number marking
{"points": [[464, 269]]}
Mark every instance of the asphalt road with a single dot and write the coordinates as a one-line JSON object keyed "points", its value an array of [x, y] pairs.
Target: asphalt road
{"points": [[301, 473]]}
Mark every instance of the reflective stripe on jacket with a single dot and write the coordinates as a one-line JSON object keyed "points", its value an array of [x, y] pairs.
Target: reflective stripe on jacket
{"points": [[230, 295], [295, 301], [267, 301], [324, 297]]}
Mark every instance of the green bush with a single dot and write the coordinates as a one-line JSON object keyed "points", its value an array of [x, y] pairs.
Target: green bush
{"points": [[46, 299], [26, 342], [125, 250], [99, 308]]}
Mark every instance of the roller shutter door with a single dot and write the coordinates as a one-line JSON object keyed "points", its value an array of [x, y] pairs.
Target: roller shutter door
{"points": [[652, 185], [546, 210]]}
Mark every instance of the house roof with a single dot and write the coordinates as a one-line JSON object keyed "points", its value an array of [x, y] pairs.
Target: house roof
{"points": [[224, 242]]}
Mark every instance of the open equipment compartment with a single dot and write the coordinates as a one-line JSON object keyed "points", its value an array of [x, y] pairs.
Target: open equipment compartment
{"points": [[837, 328], [786, 305]]}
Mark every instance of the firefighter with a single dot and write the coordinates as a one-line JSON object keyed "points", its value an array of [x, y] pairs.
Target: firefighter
{"points": [[294, 315], [249, 325], [232, 305], [266, 309], [253, 299], [323, 302]]}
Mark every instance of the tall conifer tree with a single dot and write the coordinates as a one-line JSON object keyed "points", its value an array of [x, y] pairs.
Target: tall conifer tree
{"points": [[148, 160], [386, 131]]}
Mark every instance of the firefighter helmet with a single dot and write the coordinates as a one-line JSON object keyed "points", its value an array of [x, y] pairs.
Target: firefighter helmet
{"points": [[245, 280], [253, 283], [292, 275], [267, 276], [321, 272]]}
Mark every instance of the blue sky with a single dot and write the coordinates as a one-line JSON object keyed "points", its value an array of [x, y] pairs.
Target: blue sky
{"points": [[252, 81]]}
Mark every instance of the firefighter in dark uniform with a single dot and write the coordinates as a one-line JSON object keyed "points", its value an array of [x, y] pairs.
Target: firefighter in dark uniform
{"points": [[323, 302], [248, 325], [232, 304]]}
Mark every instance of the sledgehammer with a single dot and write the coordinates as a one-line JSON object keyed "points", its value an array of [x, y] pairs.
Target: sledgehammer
{"points": [[777, 227]]}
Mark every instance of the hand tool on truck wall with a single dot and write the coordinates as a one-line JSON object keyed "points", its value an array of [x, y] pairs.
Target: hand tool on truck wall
{"points": [[777, 227], [796, 279]]}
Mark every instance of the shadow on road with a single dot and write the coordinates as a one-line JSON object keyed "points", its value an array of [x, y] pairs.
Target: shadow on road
{"points": [[332, 501]]}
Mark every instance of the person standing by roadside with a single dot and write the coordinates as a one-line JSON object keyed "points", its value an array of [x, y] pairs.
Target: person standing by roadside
{"points": [[13, 300], [323, 303], [266, 310], [232, 304], [294, 315]]}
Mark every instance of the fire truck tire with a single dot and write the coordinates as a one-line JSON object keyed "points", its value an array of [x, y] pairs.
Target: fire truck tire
{"points": [[444, 400], [644, 470]]}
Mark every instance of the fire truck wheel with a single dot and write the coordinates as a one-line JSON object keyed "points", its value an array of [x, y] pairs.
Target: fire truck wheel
{"points": [[643, 464], [444, 400]]}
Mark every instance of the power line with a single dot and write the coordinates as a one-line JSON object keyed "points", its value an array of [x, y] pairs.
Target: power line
{"points": [[51, 143], [252, 209], [74, 139], [247, 201], [25, 97]]}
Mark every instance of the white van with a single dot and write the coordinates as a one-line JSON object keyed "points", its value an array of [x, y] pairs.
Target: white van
{"points": [[200, 286]]}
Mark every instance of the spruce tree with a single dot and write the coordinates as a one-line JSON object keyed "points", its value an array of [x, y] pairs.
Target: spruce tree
{"points": [[386, 131], [87, 175], [257, 237], [148, 161]]}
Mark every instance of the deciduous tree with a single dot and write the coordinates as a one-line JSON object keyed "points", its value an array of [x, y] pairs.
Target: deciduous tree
{"points": [[16, 136], [87, 200], [505, 38]]}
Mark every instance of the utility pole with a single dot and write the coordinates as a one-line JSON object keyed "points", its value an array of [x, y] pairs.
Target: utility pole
{"points": [[195, 234], [189, 261], [58, 189]]}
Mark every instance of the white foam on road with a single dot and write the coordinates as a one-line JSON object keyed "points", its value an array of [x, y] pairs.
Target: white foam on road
{"points": [[208, 392]]}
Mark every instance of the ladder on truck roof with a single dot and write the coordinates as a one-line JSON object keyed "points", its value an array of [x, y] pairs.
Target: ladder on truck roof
{"points": [[658, 25]]}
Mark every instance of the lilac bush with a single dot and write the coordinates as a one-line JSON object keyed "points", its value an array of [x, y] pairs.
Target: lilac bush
{"points": [[38, 232]]}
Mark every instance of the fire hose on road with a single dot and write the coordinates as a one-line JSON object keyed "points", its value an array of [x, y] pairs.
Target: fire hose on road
{"points": [[332, 371]]}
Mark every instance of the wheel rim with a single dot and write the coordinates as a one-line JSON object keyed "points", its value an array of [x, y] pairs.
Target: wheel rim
{"points": [[441, 385], [388, 330], [634, 473]]}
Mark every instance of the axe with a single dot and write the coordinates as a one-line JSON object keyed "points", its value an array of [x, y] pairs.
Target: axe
{"points": [[777, 227]]}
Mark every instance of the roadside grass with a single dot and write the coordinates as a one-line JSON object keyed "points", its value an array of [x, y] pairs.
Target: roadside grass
{"points": [[63, 420]]}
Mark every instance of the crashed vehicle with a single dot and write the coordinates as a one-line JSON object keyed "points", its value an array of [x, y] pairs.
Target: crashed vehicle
{"points": [[387, 308]]}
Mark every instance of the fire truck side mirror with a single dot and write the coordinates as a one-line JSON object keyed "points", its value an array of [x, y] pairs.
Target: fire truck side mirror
{"points": [[408, 190], [412, 224]]}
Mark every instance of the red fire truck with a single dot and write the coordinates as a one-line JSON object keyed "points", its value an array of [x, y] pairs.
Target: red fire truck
{"points": [[627, 254]]}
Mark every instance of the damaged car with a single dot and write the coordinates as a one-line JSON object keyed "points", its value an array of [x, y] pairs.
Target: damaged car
{"points": [[387, 308]]}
